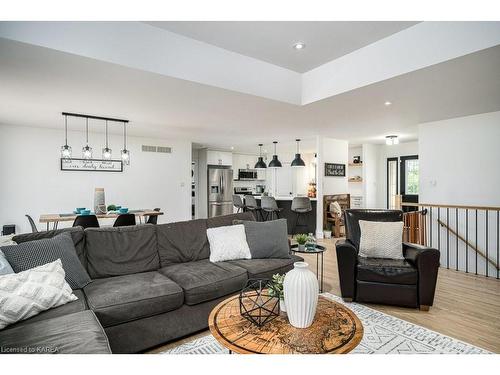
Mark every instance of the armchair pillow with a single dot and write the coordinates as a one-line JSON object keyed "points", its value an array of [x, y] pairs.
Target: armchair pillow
{"points": [[30, 292], [381, 239], [228, 243]]}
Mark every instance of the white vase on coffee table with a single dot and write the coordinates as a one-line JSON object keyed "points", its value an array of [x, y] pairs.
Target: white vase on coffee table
{"points": [[301, 295]]}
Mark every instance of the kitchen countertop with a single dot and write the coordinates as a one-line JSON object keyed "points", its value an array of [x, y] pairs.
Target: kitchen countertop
{"points": [[284, 198]]}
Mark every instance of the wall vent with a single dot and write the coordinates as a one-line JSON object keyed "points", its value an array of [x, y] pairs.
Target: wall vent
{"points": [[146, 148], [162, 149], [166, 150]]}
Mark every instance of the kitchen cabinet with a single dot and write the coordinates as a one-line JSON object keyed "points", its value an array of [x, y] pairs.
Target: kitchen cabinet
{"points": [[284, 183], [219, 158], [261, 174]]}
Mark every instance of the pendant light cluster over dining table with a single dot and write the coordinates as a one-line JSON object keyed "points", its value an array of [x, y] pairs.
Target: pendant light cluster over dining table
{"points": [[87, 152], [275, 162]]}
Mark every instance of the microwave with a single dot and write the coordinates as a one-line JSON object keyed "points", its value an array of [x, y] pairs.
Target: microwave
{"points": [[247, 174]]}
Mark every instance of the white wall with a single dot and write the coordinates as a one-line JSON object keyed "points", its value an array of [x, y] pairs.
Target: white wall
{"points": [[460, 160], [459, 165], [370, 175], [32, 183], [329, 150], [402, 149]]}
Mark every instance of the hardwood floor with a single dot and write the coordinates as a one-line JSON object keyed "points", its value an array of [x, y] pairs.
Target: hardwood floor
{"points": [[466, 307]]}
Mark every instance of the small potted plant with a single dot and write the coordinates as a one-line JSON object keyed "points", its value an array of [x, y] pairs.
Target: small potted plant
{"points": [[277, 290], [301, 241]]}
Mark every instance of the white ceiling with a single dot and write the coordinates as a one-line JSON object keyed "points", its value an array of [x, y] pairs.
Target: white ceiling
{"points": [[272, 41], [39, 83]]}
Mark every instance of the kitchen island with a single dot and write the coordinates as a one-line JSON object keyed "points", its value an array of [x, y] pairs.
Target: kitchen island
{"points": [[308, 218]]}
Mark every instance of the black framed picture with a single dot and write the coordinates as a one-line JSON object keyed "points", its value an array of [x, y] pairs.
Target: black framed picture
{"points": [[91, 165], [334, 170]]}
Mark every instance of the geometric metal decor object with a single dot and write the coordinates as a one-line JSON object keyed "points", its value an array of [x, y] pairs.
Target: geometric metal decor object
{"points": [[256, 304]]}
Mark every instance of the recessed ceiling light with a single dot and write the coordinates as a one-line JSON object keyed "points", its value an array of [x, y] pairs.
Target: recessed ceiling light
{"points": [[232, 147], [299, 45], [387, 103]]}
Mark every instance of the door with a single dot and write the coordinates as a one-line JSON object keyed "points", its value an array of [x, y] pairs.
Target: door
{"points": [[409, 181], [392, 182]]}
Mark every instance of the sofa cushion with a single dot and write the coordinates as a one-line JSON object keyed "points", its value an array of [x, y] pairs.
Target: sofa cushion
{"points": [[392, 271], [71, 307], [266, 268], [223, 221], [28, 255], [267, 239], [204, 281], [78, 333], [28, 293], [77, 235], [121, 299], [121, 250], [228, 243], [185, 241]]}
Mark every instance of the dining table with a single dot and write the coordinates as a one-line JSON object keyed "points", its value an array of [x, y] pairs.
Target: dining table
{"points": [[56, 218]]}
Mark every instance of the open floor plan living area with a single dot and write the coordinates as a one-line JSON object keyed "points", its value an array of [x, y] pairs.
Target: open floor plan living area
{"points": [[172, 187]]}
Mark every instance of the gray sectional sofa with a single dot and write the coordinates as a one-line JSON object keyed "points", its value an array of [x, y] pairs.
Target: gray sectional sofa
{"points": [[150, 284]]}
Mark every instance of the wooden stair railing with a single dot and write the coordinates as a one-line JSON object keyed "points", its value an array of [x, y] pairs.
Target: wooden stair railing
{"points": [[471, 246], [435, 225]]}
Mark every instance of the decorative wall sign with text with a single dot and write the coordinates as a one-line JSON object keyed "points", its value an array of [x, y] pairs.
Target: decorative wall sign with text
{"points": [[334, 170], [91, 165]]}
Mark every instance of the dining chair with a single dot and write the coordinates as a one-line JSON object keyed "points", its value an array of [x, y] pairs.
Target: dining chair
{"points": [[34, 229], [301, 206], [238, 203], [270, 207], [153, 219], [124, 220], [252, 206], [86, 221]]}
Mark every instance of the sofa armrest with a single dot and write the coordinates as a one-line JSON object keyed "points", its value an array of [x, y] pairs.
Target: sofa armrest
{"points": [[347, 257], [426, 259]]}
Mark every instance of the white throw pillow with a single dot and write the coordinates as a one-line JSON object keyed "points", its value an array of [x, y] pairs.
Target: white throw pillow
{"points": [[228, 243], [381, 239], [28, 293]]}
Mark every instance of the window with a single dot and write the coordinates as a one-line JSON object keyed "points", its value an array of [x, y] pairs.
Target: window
{"points": [[411, 176]]}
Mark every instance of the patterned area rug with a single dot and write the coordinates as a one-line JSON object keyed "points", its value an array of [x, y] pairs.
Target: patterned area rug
{"points": [[383, 334]]}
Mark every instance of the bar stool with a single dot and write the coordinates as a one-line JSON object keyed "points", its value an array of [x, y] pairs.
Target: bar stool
{"points": [[251, 205], [301, 206], [238, 203], [270, 207]]}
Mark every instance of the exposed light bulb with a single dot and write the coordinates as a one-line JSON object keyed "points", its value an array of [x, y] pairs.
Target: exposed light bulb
{"points": [[87, 152], [126, 157], [106, 153], [66, 152]]}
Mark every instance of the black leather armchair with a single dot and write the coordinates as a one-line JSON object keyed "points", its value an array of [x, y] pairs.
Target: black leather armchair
{"points": [[409, 282]]}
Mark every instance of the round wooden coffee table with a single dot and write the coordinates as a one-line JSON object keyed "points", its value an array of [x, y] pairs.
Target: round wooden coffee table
{"points": [[336, 329]]}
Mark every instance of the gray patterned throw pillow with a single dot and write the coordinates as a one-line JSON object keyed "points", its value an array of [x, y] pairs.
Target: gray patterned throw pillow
{"points": [[32, 254]]}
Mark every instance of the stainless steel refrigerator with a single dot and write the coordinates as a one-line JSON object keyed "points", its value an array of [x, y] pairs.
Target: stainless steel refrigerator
{"points": [[220, 191]]}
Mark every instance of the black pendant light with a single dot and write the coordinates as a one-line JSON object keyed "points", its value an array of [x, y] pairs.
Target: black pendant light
{"points": [[275, 163], [298, 162], [260, 162]]}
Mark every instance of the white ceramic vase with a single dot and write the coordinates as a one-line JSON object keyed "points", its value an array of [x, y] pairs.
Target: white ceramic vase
{"points": [[282, 305], [301, 295]]}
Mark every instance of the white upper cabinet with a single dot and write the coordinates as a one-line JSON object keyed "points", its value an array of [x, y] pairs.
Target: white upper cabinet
{"points": [[284, 183], [219, 158]]}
